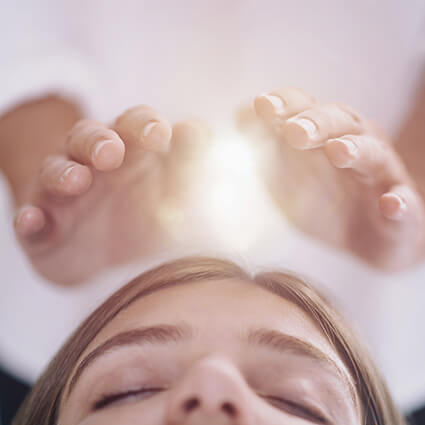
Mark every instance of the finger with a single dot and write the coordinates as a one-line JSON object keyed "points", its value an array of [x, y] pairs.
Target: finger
{"points": [[403, 209], [189, 138], [63, 177], [280, 104], [371, 158], [189, 144], [29, 221], [313, 127], [403, 213], [143, 126], [92, 143], [254, 128], [400, 203], [245, 117]]}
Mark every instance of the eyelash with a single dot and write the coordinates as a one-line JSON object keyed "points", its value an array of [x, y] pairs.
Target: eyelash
{"points": [[107, 399], [277, 402], [300, 410]]}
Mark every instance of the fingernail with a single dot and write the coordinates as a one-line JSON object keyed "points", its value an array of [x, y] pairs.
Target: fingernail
{"points": [[397, 208], [98, 147], [269, 105], [301, 132], [66, 173], [28, 221], [402, 206], [308, 125], [156, 136], [148, 128], [342, 152], [352, 149], [107, 155]]}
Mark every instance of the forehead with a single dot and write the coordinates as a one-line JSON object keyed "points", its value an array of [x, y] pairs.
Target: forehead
{"points": [[216, 310]]}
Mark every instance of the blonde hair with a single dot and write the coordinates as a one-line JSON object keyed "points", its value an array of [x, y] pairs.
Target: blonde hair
{"points": [[376, 406]]}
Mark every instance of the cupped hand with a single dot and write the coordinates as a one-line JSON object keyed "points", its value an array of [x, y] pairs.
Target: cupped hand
{"points": [[99, 203], [337, 177]]}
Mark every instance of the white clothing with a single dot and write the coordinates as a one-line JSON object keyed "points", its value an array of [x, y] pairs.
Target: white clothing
{"points": [[204, 58]]}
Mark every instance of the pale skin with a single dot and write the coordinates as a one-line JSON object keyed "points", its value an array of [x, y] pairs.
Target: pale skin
{"points": [[336, 176], [103, 184], [338, 179], [210, 372]]}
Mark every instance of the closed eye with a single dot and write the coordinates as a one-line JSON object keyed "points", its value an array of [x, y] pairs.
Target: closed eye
{"points": [[139, 394], [305, 412], [288, 406]]}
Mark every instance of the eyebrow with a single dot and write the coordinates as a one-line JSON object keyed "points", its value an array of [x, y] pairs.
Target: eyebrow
{"points": [[279, 341], [159, 334], [164, 334]]}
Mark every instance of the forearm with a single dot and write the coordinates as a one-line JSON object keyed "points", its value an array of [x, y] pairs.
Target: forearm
{"points": [[410, 143], [28, 134]]}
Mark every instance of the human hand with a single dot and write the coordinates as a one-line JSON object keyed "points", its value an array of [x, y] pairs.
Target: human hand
{"points": [[336, 177], [98, 204]]}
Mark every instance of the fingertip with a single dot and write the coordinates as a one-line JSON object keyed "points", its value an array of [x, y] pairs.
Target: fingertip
{"points": [[246, 116], [268, 106], [341, 152], [108, 155], [144, 126], [190, 140], [392, 206], [29, 220], [191, 134], [75, 180], [300, 133], [156, 136]]}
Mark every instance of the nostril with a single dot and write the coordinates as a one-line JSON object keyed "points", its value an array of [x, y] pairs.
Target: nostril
{"points": [[229, 409], [190, 404]]}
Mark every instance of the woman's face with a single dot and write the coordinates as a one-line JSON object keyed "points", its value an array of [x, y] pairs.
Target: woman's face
{"points": [[209, 353]]}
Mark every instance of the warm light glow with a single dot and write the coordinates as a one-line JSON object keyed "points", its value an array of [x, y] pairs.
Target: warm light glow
{"points": [[235, 202], [232, 154], [226, 205]]}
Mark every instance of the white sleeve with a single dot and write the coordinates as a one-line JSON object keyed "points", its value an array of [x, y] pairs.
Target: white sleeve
{"points": [[38, 56]]}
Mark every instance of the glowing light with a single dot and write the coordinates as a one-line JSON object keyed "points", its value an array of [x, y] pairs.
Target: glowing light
{"points": [[221, 201], [171, 214], [234, 200], [233, 155]]}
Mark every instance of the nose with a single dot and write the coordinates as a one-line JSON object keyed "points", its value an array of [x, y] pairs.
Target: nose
{"points": [[212, 392]]}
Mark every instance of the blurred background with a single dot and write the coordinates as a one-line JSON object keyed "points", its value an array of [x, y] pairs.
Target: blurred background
{"points": [[204, 59]]}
